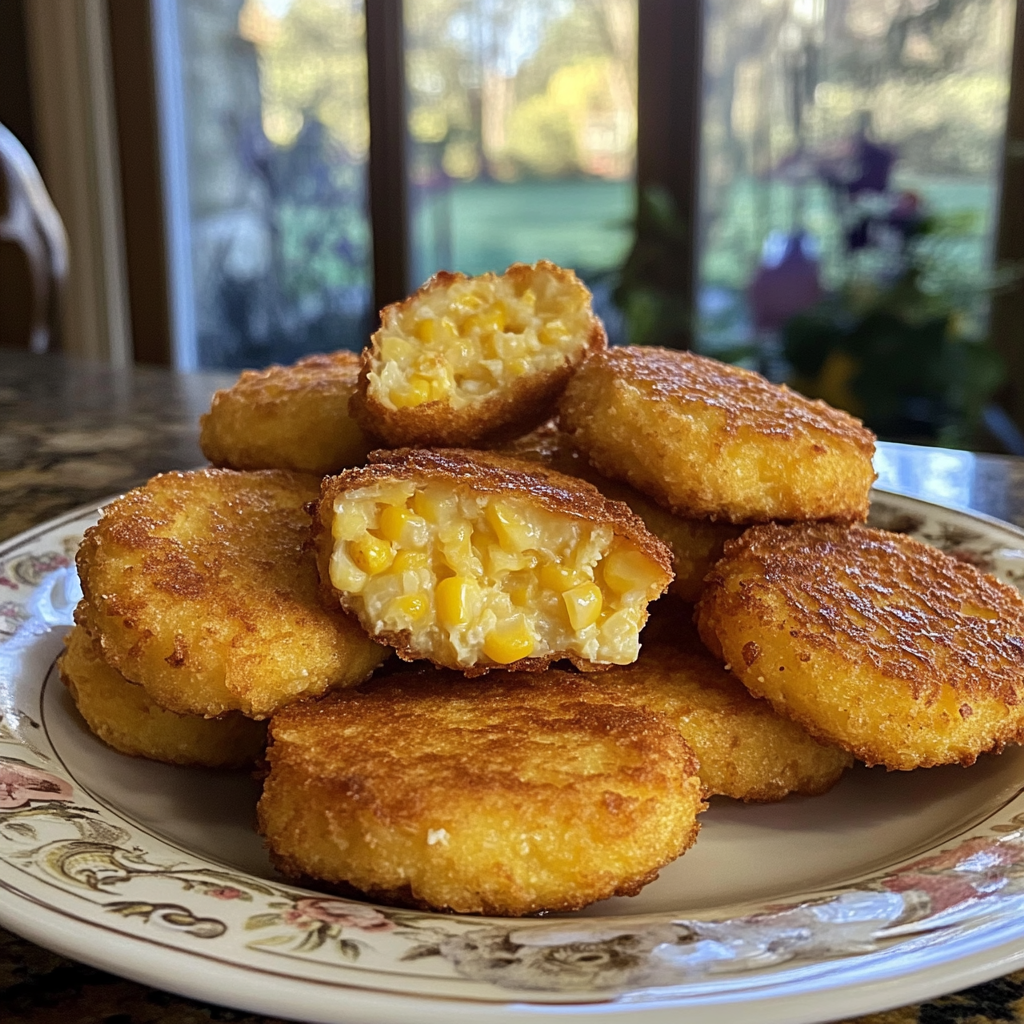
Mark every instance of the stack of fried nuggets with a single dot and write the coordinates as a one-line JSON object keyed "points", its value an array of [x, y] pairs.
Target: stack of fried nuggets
{"points": [[200, 617], [536, 788]]}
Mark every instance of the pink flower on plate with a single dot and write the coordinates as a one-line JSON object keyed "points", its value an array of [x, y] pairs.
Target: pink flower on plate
{"points": [[944, 891], [226, 892], [20, 785], [348, 915]]}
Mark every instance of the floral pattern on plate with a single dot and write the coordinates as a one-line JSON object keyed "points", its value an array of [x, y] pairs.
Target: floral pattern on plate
{"points": [[62, 845]]}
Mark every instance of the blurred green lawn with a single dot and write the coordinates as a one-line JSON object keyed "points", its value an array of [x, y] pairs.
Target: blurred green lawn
{"points": [[585, 224]]}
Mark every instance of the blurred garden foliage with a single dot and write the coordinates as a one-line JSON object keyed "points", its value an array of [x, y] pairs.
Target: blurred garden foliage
{"points": [[849, 184]]}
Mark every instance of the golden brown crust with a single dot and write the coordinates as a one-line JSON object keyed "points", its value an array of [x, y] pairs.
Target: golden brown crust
{"points": [[521, 795], [199, 587], [126, 718], [746, 750], [696, 544], [490, 472], [287, 417], [900, 653], [516, 407], [706, 439]]}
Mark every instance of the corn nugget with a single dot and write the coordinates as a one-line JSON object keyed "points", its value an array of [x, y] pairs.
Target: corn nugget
{"points": [[745, 749], [871, 640], [287, 417], [696, 544], [475, 560], [533, 792], [199, 586], [706, 439], [467, 358], [126, 718]]}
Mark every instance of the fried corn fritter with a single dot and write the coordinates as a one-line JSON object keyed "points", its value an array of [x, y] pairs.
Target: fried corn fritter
{"points": [[871, 640], [198, 586], [532, 792], [696, 544], [126, 718], [287, 417], [708, 440], [474, 560], [465, 358], [745, 749]]}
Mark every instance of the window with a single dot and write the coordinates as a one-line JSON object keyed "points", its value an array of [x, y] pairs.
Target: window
{"points": [[845, 138], [276, 142], [824, 118], [522, 134]]}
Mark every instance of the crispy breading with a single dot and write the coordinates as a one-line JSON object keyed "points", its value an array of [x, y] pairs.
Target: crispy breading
{"points": [[888, 647], [696, 544], [126, 718], [706, 439], [200, 587], [746, 750], [521, 794], [475, 560], [287, 417], [464, 358]]}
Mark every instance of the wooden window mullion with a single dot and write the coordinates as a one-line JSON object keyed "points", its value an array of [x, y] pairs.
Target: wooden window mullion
{"points": [[389, 204]]}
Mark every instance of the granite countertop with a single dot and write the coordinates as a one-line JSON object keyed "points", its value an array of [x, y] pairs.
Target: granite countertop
{"points": [[72, 432]]}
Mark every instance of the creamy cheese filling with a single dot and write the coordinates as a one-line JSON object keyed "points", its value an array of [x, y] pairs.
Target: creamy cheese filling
{"points": [[460, 343], [477, 578]]}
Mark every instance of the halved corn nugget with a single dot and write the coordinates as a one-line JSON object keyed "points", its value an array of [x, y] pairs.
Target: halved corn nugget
{"points": [[199, 586], [706, 439], [466, 358], [287, 417], [529, 793], [890, 648], [746, 750], [475, 561], [126, 718], [696, 544]]}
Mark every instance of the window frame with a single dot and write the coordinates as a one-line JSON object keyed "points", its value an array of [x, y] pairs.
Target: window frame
{"points": [[668, 150]]}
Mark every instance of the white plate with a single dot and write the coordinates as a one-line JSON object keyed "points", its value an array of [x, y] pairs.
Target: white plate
{"points": [[888, 890]]}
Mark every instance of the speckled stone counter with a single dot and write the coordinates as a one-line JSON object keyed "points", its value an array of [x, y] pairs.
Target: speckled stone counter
{"points": [[73, 432]]}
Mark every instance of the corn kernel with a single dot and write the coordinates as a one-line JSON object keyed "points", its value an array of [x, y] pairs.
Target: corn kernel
{"points": [[371, 554], [499, 563], [348, 524], [456, 539], [407, 606], [560, 578], [461, 355], [529, 299], [416, 392], [468, 302], [513, 531], [434, 505], [454, 598], [627, 569], [435, 333], [392, 521], [344, 575], [583, 605], [426, 331], [554, 332], [410, 561], [396, 350], [510, 642], [521, 592], [487, 321]]}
